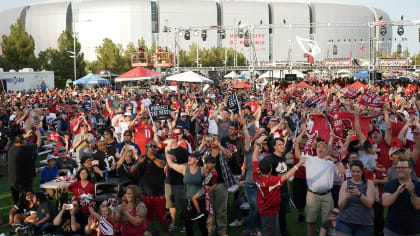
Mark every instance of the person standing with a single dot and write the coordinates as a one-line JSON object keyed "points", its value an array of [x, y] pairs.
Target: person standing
{"points": [[401, 196], [320, 171], [143, 132], [4, 146], [21, 167]]}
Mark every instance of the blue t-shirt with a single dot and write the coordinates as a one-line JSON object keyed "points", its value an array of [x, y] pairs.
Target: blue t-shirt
{"points": [[48, 174], [402, 217]]}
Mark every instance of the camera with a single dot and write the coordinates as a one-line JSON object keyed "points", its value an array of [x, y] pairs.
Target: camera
{"points": [[208, 138], [68, 206]]}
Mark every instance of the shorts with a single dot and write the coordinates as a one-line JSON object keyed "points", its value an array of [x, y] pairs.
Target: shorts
{"points": [[316, 204], [353, 229], [3, 159], [175, 196], [155, 204], [201, 192]]}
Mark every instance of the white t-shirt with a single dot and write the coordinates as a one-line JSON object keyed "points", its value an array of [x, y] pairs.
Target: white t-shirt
{"points": [[319, 174], [367, 159], [212, 126]]}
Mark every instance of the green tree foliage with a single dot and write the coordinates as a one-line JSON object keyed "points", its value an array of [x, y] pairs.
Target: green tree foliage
{"points": [[209, 57], [18, 48], [109, 56], [60, 60]]}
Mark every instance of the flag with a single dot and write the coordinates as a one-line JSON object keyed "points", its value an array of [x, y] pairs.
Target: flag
{"points": [[351, 54], [379, 21], [54, 136], [371, 99], [233, 103], [363, 48], [315, 100], [352, 92], [339, 123]]}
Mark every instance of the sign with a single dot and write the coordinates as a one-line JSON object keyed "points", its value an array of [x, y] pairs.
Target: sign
{"points": [[232, 103], [315, 100], [371, 99], [352, 92], [160, 112], [337, 62], [392, 61]]}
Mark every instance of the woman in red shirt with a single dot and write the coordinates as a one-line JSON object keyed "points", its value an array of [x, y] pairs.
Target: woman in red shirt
{"points": [[82, 189]]}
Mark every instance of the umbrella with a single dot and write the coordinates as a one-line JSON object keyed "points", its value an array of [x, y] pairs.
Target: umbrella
{"points": [[190, 77], [241, 85], [303, 85], [138, 73], [91, 79], [358, 85]]}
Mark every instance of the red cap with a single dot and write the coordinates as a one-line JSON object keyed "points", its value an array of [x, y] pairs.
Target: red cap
{"points": [[173, 135]]}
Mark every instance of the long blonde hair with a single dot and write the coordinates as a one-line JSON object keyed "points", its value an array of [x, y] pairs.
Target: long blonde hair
{"points": [[137, 194]]}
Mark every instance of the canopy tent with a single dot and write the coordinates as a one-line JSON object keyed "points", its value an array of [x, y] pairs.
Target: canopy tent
{"points": [[106, 73], [247, 74], [91, 79], [190, 77], [138, 73], [303, 85], [343, 73], [361, 74], [278, 74], [358, 85], [232, 74], [241, 85]]}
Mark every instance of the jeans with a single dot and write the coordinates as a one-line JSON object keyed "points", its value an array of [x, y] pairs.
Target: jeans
{"points": [[254, 219], [284, 208], [353, 229], [219, 199]]}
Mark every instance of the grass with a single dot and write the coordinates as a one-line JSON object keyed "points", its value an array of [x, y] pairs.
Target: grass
{"points": [[6, 203]]}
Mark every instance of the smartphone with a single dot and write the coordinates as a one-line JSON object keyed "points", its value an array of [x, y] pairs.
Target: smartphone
{"points": [[349, 188], [68, 206]]}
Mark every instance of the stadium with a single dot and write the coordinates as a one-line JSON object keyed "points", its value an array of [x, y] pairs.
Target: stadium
{"points": [[340, 30]]}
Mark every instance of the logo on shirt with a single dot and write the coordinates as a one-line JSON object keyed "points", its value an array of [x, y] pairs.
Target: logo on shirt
{"points": [[232, 148]]}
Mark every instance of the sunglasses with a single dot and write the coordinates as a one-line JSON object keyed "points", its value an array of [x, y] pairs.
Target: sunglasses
{"points": [[334, 213]]}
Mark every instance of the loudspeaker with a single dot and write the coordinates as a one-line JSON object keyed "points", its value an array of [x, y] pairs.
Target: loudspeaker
{"points": [[290, 77]]}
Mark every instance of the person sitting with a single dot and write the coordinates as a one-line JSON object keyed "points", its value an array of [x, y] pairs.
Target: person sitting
{"points": [[43, 220], [70, 220], [328, 227], [23, 211], [50, 171], [82, 189], [64, 164]]}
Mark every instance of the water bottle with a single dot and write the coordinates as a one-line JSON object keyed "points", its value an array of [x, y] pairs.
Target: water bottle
{"points": [[68, 175], [74, 171], [106, 175]]}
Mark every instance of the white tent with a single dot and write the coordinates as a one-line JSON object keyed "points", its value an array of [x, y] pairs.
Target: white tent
{"points": [[247, 74], [281, 74], [232, 74], [190, 77]]}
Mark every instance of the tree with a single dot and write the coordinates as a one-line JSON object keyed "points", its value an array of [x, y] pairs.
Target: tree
{"points": [[18, 48], [109, 56], [59, 60]]}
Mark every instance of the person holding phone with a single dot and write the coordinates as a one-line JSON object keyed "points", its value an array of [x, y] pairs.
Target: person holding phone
{"points": [[356, 199], [70, 220]]}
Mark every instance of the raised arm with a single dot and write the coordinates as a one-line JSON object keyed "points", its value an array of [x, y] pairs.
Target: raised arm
{"points": [[388, 125], [177, 167], [360, 135], [402, 133]]}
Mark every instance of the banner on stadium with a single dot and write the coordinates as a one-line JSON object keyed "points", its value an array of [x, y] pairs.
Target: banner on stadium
{"points": [[340, 123], [392, 61], [352, 92], [159, 112], [232, 103], [371, 99]]}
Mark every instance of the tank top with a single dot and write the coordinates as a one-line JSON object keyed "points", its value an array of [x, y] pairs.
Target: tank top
{"points": [[192, 182], [355, 212]]}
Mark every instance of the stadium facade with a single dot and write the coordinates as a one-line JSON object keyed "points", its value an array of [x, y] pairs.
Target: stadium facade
{"points": [[166, 21]]}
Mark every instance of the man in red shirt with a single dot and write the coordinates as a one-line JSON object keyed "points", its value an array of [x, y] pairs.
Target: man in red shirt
{"points": [[268, 194], [253, 104], [143, 132]]}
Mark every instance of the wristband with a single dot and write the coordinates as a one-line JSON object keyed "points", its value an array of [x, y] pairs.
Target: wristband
{"points": [[296, 168]]}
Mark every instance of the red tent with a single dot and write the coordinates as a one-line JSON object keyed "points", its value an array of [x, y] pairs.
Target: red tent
{"points": [[138, 73], [358, 85], [241, 85], [303, 85]]}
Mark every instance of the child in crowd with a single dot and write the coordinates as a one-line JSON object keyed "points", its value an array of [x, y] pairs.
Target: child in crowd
{"points": [[106, 218], [209, 183]]}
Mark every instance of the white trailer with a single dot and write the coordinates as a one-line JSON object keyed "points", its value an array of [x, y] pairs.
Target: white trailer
{"points": [[25, 80]]}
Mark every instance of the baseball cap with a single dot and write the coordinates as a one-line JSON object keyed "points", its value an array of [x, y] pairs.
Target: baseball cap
{"points": [[183, 114], [173, 135], [50, 157], [61, 148], [196, 155], [394, 150], [101, 139], [127, 114]]}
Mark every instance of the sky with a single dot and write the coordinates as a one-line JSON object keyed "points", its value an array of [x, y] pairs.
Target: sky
{"points": [[395, 8]]}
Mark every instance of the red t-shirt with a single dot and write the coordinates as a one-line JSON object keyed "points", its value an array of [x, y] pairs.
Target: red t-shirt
{"points": [[78, 189], [142, 135], [383, 157], [254, 106], [268, 193], [301, 171]]}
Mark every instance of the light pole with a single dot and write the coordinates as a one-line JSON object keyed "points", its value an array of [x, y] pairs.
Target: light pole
{"points": [[74, 53]]}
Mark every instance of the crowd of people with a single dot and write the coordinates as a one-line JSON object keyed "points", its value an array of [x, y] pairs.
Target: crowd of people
{"points": [[179, 172]]}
